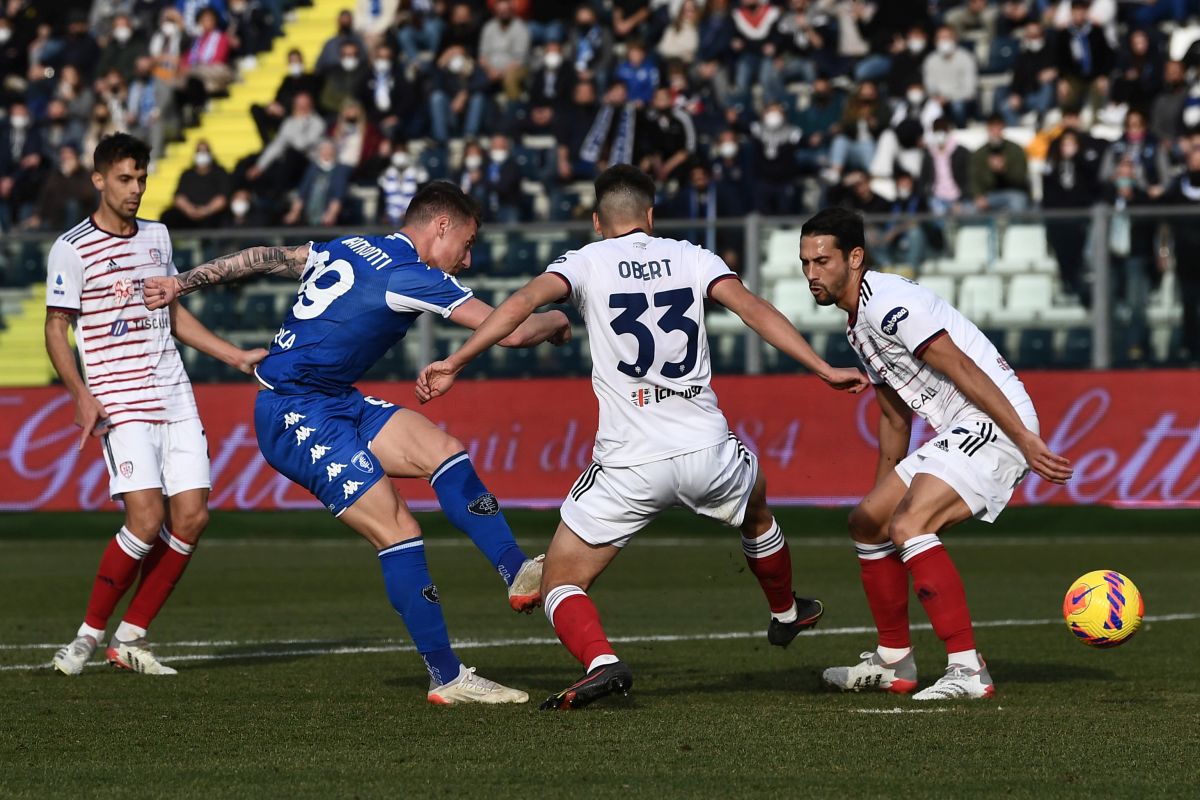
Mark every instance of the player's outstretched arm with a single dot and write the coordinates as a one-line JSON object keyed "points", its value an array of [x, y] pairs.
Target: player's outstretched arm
{"points": [[437, 378], [766, 320], [895, 430], [552, 326], [946, 357], [89, 412], [195, 333], [288, 261]]}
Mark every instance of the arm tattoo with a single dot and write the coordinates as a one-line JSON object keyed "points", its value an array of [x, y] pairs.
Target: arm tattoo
{"points": [[287, 261], [65, 316]]}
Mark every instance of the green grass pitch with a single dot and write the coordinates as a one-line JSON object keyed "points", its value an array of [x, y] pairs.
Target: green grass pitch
{"points": [[296, 678]]}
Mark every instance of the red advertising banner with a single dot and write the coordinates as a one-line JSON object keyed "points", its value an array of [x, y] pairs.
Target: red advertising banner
{"points": [[1134, 438]]}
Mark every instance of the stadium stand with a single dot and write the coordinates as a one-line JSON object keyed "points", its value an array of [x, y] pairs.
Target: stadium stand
{"points": [[736, 107]]}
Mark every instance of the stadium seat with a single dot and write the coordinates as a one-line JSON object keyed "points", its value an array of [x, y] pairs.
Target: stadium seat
{"points": [[941, 285], [1029, 297], [783, 254], [839, 353], [219, 311], [1077, 351], [260, 310], [980, 296], [728, 353], [1024, 249], [793, 298], [970, 251], [520, 258], [1035, 349]]}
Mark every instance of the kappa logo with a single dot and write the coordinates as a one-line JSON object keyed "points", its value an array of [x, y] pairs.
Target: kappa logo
{"points": [[127, 469], [350, 487], [942, 445], [430, 593], [332, 470], [317, 451], [375, 401], [363, 462], [486, 505], [290, 419], [302, 433], [892, 320]]}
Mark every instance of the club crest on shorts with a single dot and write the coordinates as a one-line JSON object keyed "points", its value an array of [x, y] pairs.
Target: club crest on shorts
{"points": [[486, 505], [892, 320], [430, 593], [127, 468], [363, 462]]}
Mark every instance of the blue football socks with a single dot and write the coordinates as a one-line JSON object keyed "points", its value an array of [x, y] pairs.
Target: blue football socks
{"points": [[472, 509], [415, 598]]}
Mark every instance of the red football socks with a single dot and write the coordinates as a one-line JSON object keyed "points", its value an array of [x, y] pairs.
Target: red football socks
{"points": [[577, 623], [940, 590], [885, 581], [118, 568], [771, 562], [160, 572]]}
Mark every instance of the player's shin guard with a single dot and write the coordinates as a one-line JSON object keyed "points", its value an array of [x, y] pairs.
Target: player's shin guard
{"points": [[771, 562], [415, 598], [161, 570], [940, 590], [885, 580], [575, 619], [472, 509], [118, 568]]}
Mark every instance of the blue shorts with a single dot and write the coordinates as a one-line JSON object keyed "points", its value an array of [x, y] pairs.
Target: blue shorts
{"points": [[322, 442]]}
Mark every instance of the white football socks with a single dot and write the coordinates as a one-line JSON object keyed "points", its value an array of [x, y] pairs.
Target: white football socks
{"points": [[968, 658], [600, 661], [128, 633], [891, 655]]}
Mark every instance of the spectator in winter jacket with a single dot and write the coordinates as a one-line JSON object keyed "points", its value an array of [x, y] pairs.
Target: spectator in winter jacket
{"points": [[999, 172], [952, 76]]}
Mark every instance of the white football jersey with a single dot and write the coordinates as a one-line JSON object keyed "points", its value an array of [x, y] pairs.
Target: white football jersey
{"points": [[642, 300], [895, 321], [129, 357]]}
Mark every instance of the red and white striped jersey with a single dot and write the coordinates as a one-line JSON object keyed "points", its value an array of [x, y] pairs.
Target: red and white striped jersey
{"points": [[129, 357]]}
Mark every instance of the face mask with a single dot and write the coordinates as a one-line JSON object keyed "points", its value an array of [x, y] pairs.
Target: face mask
{"points": [[20, 123], [350, 63], [400, 160], [728, 149], [1069, 152], [904, 193], [203, 159], [552, 60], [383, 65], [1191, 116], [1124, 183], [457, 63], [240, 207], [5, 35], [498, 156], [324, 165], [773, 120], [915, 97], [947, 47], [916, 46], [1034, 45], [101, 119], [122, 34], [939, 138], [1136, 136], [169, 29], [295, 69], [473, 161]]}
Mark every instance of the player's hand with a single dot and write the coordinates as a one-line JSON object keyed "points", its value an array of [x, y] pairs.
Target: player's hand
{"points": [[845, 379], [160, 292], [562, 328], [1050, 466], [247, 359], [91, 416], [435, 380]]}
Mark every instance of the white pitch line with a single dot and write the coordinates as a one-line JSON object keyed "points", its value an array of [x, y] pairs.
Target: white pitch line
{"points": [[538, 641], [898, 710]]}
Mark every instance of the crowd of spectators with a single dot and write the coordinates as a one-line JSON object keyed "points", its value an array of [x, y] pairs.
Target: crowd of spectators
{"points": [[734, 106]]}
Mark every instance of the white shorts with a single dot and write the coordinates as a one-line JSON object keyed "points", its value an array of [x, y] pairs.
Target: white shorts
{"points": [[171, 456], [978, 461], [608, 505]]}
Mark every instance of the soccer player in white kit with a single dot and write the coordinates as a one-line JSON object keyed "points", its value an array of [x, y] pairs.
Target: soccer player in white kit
{"points": [[133, 395], [662, 440], [922, 355]]}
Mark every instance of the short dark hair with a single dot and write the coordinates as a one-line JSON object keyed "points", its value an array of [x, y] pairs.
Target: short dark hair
{"points": [[118, 147], [844, 225], [441, 197], [624, 187]]}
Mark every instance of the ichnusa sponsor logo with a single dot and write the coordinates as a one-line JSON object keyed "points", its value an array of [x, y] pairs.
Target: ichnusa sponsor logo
{"points": [[656, 394], [892, 320]]}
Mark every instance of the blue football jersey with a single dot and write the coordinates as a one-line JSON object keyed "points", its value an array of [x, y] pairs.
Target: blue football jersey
{"points": [[358, 296]]}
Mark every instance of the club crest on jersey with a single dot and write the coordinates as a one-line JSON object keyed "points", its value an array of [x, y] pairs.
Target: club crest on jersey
{"points": [[123, 289], [363, 462], [486, 505], [892, 320], [127, 468], [430, 593]]}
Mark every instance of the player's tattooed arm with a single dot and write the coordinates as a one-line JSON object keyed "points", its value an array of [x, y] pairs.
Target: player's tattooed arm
{"points": [[285, 261]]}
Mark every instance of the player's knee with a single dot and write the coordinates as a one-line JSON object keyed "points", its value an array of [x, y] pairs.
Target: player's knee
{"points": [[903, 527], [188, 527], [863, 527], [145, 524]]}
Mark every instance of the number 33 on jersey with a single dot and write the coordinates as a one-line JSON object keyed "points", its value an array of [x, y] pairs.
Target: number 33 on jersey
{"points": [[642, 300]]}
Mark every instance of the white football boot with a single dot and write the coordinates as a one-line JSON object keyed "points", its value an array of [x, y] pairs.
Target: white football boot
{"points": [[899, 677], [525, 594], [136, 655], [72, 658], [960, 682], [471, 688]]}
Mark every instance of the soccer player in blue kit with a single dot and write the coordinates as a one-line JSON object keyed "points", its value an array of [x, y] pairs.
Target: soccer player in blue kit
{"points": [[358, 296]]}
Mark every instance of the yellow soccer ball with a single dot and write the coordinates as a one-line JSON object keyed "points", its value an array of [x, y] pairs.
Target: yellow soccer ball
{"points": [[1103, 608]]}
